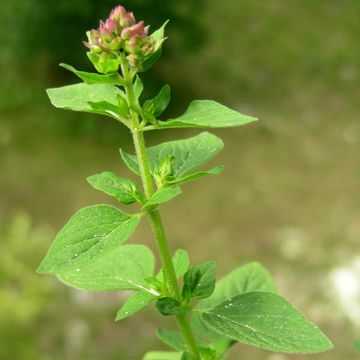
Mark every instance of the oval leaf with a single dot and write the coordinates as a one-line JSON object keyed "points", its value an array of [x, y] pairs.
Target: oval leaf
{"points": [[135, 303], [267, 321], [163, 195], [79, 97], [159, 103], [207, 113], [124, 268], [122, 189], [90, 233], [199, 281]]}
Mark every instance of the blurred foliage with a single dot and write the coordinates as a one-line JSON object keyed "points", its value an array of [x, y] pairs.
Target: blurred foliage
{"points": [[294, 176], [23, 297]]}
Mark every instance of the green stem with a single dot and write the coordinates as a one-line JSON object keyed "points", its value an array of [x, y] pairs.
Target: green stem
{"points": [[170, 279]]}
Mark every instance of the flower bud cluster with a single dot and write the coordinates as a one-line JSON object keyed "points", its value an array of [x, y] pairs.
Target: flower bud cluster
{"points": [[121, 33]]}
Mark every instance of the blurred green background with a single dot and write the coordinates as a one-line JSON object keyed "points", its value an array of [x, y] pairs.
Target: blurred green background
{"points": [[289, 196]]}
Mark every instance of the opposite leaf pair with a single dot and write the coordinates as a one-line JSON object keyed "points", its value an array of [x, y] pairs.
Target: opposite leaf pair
{"points": [[245, 307]]}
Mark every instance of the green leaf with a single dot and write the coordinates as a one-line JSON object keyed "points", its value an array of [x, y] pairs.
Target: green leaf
{"points": [[157, 35], [105, 63], [187, 154], [148, 116], [175, 340], [125, 268], [137, 302], [138, 86], [181, 263], [118, 112], [198, 174], [122, 189], [169, 306], [159, 103], [82, 97], [247, 278], [199, 281], [171, 338], [163, 195], [203, 330], [95, 78], [268, 321], [143, 298], [162, 355], [207, 113], [90, 233], [187, 356]]}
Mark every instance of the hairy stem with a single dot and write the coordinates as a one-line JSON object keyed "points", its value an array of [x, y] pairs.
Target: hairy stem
{"points": [[171, 283]]}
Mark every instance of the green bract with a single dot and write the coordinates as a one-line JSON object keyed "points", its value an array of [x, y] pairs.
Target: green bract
{"points": [[89, 252]]}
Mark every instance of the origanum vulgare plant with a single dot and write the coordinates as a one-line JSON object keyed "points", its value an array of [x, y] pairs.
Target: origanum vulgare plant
{"points": [[88, 252]]}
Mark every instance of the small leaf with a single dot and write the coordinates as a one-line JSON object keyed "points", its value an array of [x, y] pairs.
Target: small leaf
{"points": [[170, 306], [207, 113], [118, 112], [90, 233], [130, 161], [141, 299], [268, 321], [138, 87], [79, 97], [122, 189], [175, 340], [95, 78], [105, 63], [158, 35], [247, 278], [171, 338], [162, 355], [137, 302], [159, 103], [187, 154], [181, 263], [163, 195], [196, 175], [199, 281], [148, 116], [125, 268]]}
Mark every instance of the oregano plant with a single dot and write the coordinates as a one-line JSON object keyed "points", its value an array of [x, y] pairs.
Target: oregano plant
{"points": [[89, 251]]}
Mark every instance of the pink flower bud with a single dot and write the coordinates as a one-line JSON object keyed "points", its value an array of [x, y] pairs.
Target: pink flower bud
{"points": [[119, 32], [136, 29], [117, 13], [127, 20]]}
